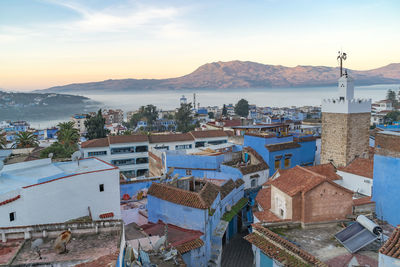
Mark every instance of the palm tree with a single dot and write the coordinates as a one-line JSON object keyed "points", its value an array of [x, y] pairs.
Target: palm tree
{"points": [[68, 136], [25, 140], [3, 142], [65, 125]]}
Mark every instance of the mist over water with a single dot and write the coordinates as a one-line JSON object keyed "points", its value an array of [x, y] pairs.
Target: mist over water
{"points": [[279, 97]]}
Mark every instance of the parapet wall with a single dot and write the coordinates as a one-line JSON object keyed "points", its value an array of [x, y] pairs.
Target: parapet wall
{"points": [[346, 106]]}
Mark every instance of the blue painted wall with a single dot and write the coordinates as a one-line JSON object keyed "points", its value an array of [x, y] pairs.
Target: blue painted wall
{"points": [[134, 188], [386, 188], [265, 261], [300, 156]]}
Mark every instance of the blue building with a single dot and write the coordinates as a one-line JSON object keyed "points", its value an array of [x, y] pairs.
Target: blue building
{"points": [[47, 134], [386, 182], [283, 151], [199, 205]]}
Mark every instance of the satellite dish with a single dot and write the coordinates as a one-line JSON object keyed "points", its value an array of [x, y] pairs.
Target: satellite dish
{"points": [[76, 155], [36, 244], [50, 156]]}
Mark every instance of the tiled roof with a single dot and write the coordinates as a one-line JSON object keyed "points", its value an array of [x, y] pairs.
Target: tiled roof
{"points": [[201, 200], [327, 170], [239, 182], [190, 245], [106, 141], [106, 215], [182, 239], [282, 146], [208, 134], [392, 246], [226, 188], [361, 167], [362, 201], [134, 138], [165, 138], [280, 249], [100, 142], [229, 133], [300, 179], [305, 138]]}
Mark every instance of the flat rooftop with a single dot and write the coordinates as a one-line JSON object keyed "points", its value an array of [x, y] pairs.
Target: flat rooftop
{"points": [[19, 175], [81, 248], [321, 243]]}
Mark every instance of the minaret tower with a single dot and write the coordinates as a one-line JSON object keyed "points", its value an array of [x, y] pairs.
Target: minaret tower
{"points": [[345, 123]]}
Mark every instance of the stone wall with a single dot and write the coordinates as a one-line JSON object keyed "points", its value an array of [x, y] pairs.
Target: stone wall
{"points": [[344, 137], [387, 144]]}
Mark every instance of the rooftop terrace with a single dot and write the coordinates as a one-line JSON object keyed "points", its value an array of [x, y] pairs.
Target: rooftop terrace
{"points": [[24, 174]]}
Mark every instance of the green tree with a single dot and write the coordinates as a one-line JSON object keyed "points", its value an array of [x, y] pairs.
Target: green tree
{"points": [[95, 126], [224, 111], [391, 95], [65, 125], [392, 116], [150, 113], [211, 115], [68, 136], [3, 142], [25, 140], [184, 118], [127, 132], [60, 151], [242, 108], [133, 121]]}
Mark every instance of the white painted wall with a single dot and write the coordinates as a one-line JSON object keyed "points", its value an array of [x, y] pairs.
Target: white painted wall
{"points": [[65, 199], [346, 106], [260, 180], [355, 183], [172, 145], [386, 261]]}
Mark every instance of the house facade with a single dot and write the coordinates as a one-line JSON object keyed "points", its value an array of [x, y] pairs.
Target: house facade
{"points": [[42, 192]]}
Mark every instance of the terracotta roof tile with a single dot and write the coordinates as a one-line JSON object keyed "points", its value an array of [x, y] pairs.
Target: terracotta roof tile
{"points": [[239, 182], [201, 200], [362, 201], [106, 215], [361, 167], [165, 138], [300, 179], [263, 198], [282, 146], [190, 245], [327, 170], [134, 138], [100, 142], [305, 138], [208, 134], [392, 246], [226, 188], [280, 249]]}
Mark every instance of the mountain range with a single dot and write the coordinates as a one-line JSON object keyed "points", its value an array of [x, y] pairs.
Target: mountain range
{"points": [[238, 75]]}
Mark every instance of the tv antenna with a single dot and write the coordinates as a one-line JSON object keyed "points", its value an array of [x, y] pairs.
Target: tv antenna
{"points": [[342, 56]]}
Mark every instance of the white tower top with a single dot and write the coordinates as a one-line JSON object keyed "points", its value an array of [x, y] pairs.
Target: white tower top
{"points": [[183, 100], [346, 87], [345, 101]]}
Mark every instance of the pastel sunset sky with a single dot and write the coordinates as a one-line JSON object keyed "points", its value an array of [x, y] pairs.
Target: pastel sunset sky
{"points": [[44, 43]]}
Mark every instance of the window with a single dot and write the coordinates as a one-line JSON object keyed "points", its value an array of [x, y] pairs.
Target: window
{"points": [[188, 172], [122, 150], [142, 172], [12, 216], [97, 153], [200, 144], [281, 212], [101, 187], [122, 162], [177, 147], [253, 182], [162, 147], [142, 149], [142, 160], [287, 163], [277, 164]]}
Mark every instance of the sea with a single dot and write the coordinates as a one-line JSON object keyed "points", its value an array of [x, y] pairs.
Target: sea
{"points": [[272, 97]]}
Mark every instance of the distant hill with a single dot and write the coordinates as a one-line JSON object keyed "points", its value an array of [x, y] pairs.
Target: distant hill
{"points": [[47, 106], [236, 75]]}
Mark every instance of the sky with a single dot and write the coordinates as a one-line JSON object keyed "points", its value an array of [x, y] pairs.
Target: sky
{"points": [[45, 43]]}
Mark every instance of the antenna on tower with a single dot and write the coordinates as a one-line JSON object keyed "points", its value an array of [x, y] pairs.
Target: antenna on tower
{"points": [[194, 100], [342, 56]]}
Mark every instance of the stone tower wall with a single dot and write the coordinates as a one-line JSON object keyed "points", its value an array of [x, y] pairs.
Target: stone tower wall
{"points": [[344, 137]]}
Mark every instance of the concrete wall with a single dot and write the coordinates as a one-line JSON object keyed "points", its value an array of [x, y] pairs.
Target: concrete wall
{"points": [[65, 199], [326, 202], [356, 183], [386, 188]]}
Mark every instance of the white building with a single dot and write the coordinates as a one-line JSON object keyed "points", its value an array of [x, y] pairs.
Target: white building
{"points": [[79, 123], [42, 192], [128, 152], [383, 105]]}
